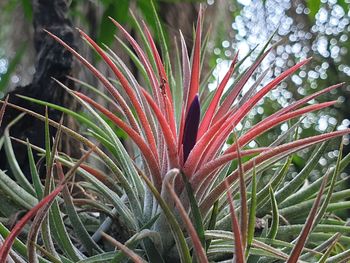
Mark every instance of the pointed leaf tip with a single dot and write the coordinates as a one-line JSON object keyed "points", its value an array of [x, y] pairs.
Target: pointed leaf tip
{"points": [[191, 127]]}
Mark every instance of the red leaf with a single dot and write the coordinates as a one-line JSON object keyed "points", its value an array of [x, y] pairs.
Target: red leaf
{"points": [[220, 137], [138, 140], [144, 60], [295, 254], [197, 245], [129, 91], [168, 136], [212, 166], [112, 90], [47, 200], [216, 99], [302, 101], [197, 152], [239, 255], [186, 84], [226, 105], [164, 79], [195, 72], [268, 123], [276, 152], [160, 66]]}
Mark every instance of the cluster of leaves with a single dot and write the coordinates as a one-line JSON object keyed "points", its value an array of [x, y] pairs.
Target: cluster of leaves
{"points": [[180, 193]]}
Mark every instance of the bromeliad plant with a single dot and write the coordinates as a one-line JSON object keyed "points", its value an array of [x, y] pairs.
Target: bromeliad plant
{"points": [[176, 193]]}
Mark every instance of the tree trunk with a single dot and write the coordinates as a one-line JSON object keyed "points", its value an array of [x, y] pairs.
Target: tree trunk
{"points": [[52, 61]]}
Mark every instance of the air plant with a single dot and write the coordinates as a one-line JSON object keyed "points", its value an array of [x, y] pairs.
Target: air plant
{"points": [[176, 192]]}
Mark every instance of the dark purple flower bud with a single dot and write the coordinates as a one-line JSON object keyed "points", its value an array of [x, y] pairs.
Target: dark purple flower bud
{"points": [[191, 127]]}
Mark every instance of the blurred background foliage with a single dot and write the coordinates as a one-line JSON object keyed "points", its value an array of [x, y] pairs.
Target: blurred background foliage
{"points": [[302, 29]]}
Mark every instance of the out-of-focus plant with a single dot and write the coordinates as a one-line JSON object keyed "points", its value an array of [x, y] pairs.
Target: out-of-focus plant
{"points": [[190, 189]]}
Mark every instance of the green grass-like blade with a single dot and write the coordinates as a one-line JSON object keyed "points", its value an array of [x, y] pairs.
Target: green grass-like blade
{"points": [[307, 227], [79, 228], [262, 196], [116, 172], [49, 158], [18, 245], [196, 214], [341, 257], [275, 216], [75, 115], [330, 189], [326, 255], [61, 234], [100, 258], [162, 40], [252, 211], [38, 187], [145, 43], [303, 194], [12, 160], [212, 221], [298, 180], [16, 192], [178, 234]]}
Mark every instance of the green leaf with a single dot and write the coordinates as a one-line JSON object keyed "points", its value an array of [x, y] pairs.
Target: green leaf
{"points": [[275, 216], [100, 258], [49, 160], [15, 192], [18, 245], [300, 196], [212, 221], [119, 11], [263, 194], [34, 173], [314, 6], [331, 188], [76, 115], [252, 210], [27, 9], [196, 214], [299, 179], [11, 158], [61, 234], [147, 12], [340, 257], [344, 4], [178, 234], [326, 255], [79, 227], [146, 45], [162, 38]]}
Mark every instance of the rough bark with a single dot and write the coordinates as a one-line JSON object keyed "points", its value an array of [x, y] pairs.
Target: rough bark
{"points": [[52, 61]]}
